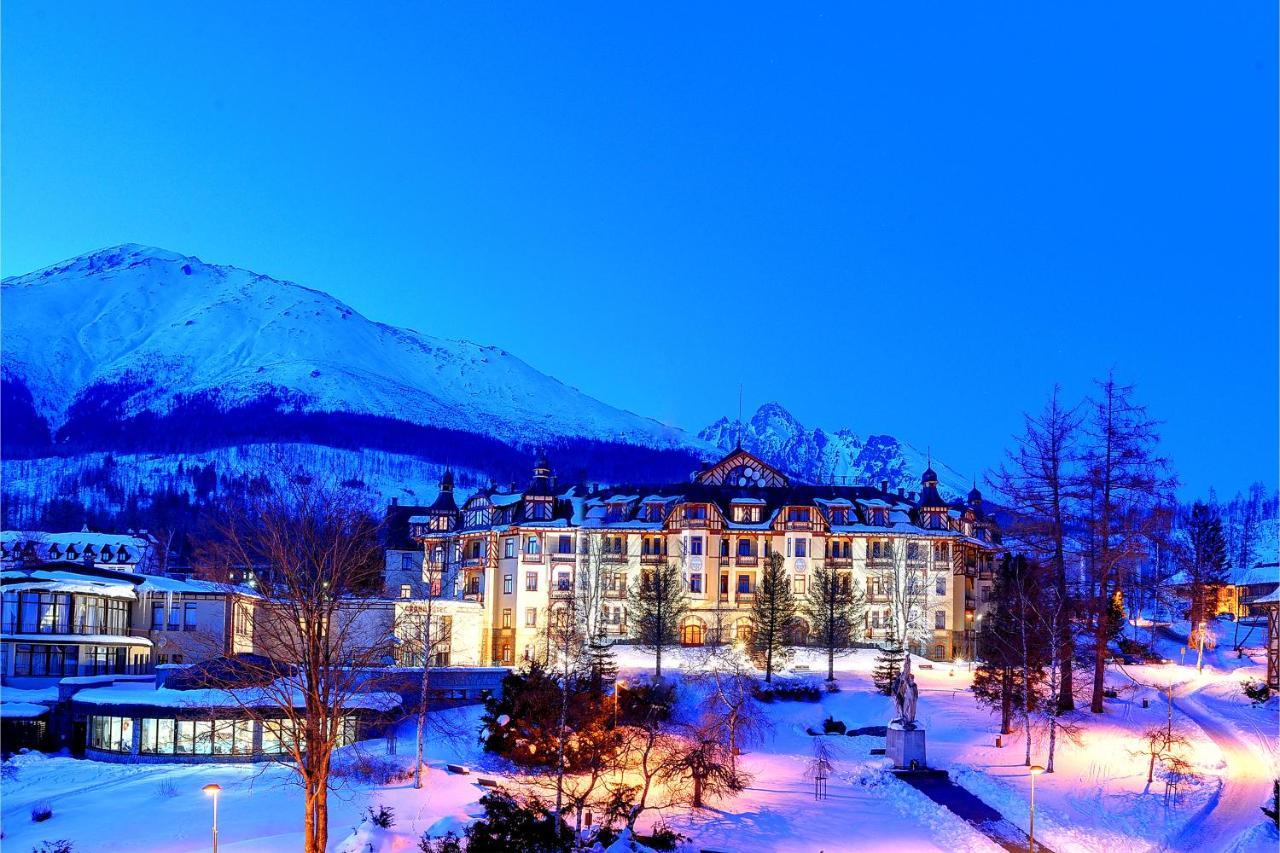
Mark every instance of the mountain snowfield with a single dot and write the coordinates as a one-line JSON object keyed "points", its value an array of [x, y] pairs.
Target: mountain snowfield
{"points": [[113, 347], [175, 325]]}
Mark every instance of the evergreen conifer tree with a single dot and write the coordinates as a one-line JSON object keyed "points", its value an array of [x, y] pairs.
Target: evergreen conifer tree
{"points": [[773, 615], [888, 663]]}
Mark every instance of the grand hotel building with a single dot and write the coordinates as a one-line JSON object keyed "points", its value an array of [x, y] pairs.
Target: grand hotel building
{"points": [[515, 552]]}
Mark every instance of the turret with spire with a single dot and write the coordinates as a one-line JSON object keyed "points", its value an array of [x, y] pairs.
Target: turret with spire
{"points": [[444, 511], [542, 483], [929, 497]]}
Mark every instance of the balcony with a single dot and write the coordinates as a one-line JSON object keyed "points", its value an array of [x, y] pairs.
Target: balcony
{"points": [[839, 562], [564, 557], [473, 562], [694, 523], [616, 593], [526, 557], [742, 561], [613, 557], [29, 630], [745, 597], [653, 559], [475, 596], [562, 591], [797, 525]]}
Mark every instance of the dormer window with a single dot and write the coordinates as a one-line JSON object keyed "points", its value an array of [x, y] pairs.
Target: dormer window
{"points": [[798, 513], [540, 510], [838, 515], [655, 511], [615, 512], [746, 514], [695, 512]]}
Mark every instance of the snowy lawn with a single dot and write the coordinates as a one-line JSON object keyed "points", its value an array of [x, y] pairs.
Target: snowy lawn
{"points": [[1097, 800]]}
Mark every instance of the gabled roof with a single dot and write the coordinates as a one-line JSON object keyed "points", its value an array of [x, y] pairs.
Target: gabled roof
{"points": [[716, 473]]}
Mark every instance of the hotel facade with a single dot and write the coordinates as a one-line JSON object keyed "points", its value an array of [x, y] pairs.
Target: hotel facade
{"points": [[924, 563]]}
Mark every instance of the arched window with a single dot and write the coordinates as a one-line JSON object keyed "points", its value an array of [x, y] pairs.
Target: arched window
{"points": [[691, 633]]}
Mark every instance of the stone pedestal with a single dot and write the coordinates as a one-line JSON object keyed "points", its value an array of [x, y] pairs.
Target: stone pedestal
{"points": [[905, 746]]}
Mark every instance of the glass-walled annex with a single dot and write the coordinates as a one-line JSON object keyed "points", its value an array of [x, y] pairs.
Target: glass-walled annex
{"points": [[193, 739]]}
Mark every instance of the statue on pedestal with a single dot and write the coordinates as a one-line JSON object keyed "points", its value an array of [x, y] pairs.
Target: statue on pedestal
{"points": [[905, 693]]}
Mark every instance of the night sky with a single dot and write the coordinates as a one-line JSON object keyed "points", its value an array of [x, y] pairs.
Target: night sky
{"points": [[910, 221]]}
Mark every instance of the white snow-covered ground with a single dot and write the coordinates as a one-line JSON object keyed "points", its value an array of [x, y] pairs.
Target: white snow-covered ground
{"points": [[1098, 799]]}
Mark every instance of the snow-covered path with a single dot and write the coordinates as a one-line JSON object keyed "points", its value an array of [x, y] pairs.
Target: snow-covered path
{"points": [[1246, 784], [1247, 776]]}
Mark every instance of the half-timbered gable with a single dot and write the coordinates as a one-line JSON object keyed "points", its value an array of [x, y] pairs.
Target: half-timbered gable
{"points": [[742, 470]]}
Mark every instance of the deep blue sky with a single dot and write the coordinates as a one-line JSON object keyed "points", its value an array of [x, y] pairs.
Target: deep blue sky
{"points": [[905, 221]]}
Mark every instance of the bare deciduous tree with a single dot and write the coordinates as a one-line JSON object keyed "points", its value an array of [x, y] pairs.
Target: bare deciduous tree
{"points": [[316, 621]]}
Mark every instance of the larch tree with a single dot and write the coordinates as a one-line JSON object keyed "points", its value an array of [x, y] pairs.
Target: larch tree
{"points": [[1037, 483], [1124, 480], [773, 616], [833, 606], [656, 605]]}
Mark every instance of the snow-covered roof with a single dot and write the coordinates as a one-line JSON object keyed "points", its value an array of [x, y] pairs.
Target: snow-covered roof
{"points": [[61, 581], [749, 501], [78, 539], [506, 500], [21, 710], [146, 693], [159, 583]]}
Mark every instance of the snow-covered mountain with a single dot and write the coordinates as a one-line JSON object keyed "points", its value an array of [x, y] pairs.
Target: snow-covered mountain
{"points": [[131, 330], [842, 456]]}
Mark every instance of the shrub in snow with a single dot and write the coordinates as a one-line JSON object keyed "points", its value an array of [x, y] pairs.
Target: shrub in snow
{"points": [[794, 690], [833, 726], [372, 769], [447, 843], [383, 816], [1257, 691], [62, 845], [41, 812], [168, 788]]}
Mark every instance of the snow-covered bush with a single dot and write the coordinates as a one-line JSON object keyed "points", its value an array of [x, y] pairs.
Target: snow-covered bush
{"points": [[373, 769], [41, 811], [168, 788], [1257, 691], [383, 816], [790, 689]]}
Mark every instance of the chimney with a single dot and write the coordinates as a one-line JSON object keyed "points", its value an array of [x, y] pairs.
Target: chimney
{"points": [[911, 496], [395, 501], [884, 485], [902, 491]]}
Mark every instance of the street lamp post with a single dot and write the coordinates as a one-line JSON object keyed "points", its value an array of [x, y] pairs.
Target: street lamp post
{"points": [[617, 689], [213, 790], [1035, 770]]}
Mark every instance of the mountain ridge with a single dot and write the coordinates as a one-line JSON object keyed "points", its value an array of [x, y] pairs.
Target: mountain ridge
{"points": [[269, 334], [151, 354]]}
